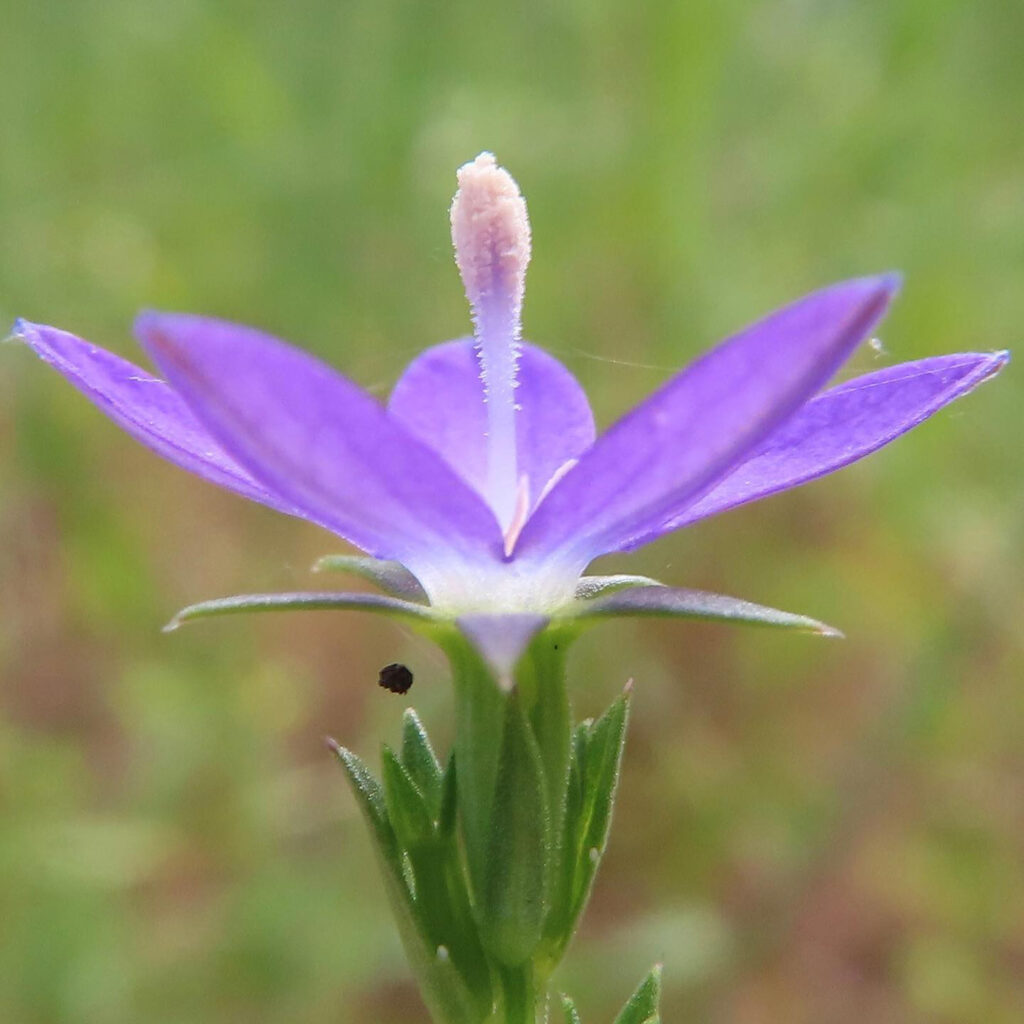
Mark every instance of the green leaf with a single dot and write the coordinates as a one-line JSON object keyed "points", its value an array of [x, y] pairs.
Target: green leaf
{"points": [[674, 602], [419, 760], [443, 903], [513, 901], [603, 759], [407, 807], [593, 777], [572, 1015], [447, 815], [301, 602], [444, 990], [392, 577], [642, 1007]]}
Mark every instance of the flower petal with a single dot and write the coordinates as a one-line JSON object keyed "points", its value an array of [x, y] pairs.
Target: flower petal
{"points": [[301, 602], [303, 429], [698, 426], [846, 423], [440, 400], [147, 408], [673, 602]]}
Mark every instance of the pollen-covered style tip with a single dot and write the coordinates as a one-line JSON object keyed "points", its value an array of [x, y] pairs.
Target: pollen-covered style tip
{"points": [[491, 233]]}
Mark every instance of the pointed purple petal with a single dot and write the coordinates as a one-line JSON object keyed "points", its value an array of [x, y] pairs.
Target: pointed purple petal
{"points": [[846, 423], [698, 426], [147, 408], [328, 446], [674, 602], [440, 400], [301, 602]]}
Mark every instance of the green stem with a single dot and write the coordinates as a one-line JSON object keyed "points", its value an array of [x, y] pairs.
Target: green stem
{"points": [[520, 997]]}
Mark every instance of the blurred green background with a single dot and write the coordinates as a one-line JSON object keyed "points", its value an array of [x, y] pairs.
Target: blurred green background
{"points": [[808, 831]]}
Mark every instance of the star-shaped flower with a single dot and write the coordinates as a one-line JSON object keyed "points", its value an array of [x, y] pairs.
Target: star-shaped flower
{"points": [[480, 491]]}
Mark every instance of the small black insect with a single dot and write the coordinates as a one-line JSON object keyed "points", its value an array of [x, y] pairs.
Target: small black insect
{"points": [[396, 678]]}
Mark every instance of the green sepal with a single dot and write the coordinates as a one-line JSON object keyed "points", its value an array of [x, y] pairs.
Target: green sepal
{"points": [[590, 587], [593, 778], [676, 602], [392, 577], [303, 602], [642, 1007], [572, 1015], [445, 991], [513, 900]]}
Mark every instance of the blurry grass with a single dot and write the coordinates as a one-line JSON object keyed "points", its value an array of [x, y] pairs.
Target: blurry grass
{"points": [[807, 831]]}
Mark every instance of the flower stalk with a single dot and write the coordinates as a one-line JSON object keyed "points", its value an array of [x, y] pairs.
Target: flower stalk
{"points": [[490, 861]]}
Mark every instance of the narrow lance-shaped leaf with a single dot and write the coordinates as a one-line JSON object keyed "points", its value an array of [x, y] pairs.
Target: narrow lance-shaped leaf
{"points": [[597, 753], [572, 1015], [407, 808], [438, 881], [447, 816], [642, 1007], [601, 779], [419, 760], [444, 990]]}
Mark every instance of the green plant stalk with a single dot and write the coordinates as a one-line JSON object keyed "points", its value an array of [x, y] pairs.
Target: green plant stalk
{"points": [[489, 862]]}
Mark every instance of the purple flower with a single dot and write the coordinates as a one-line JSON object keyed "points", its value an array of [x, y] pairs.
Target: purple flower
{"points": [[480, 490]]}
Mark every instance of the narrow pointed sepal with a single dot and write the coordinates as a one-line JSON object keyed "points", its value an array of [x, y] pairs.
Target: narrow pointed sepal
{"points": [[391, 577], [589, 587], [642, 1007], [300, 602], [675, 602]]}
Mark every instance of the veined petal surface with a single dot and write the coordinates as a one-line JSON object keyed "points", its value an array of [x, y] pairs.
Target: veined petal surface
{"points": [[846, 423], [147, 408], [440, 399], [699, 425], [324, 443]]}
